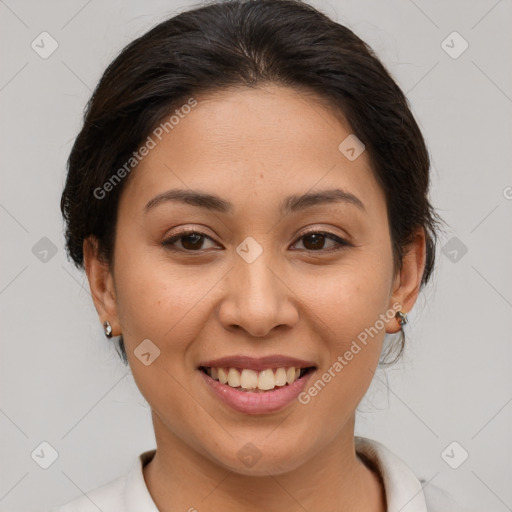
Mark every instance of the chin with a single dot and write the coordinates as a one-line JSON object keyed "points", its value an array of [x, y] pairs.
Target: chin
{"points": [[251, 461]]}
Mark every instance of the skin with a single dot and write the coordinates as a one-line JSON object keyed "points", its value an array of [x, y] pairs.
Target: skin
{"points": [[253, 148]]}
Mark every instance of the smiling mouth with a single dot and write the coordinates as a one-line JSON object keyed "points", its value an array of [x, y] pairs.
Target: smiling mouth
{"points": [[244, 379]]}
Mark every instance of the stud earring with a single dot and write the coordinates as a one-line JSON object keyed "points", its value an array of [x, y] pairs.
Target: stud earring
{"points": [[401, 318], [108, 329]]}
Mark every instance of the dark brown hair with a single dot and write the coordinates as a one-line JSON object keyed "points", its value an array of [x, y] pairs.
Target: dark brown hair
{"points": [[246, 43]]}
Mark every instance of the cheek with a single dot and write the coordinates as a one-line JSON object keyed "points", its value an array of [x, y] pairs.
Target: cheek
{"points": [[349, 309], [162, 303], [350, 297], [158, 300]]}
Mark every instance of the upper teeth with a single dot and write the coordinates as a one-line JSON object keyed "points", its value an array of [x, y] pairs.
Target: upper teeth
{"points": [[250, 379]]}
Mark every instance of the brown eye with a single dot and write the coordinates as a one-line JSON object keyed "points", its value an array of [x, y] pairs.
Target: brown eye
{"points": [[191, 241], [315, 241]]}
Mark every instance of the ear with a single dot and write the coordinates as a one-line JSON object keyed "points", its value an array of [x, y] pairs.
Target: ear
{"points": [[101, 283], [407, 282]]}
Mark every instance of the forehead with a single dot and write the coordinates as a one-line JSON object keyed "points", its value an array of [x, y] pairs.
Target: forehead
{"points": [[249, 143]]}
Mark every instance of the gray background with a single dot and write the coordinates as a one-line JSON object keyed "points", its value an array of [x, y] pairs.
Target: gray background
{"points": [[61, 382]]}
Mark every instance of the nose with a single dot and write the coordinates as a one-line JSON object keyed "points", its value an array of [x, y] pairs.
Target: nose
{"points": [[257, 298]]}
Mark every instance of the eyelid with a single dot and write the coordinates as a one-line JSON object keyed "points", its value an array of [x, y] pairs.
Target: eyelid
{"points": [[341, 242], [319, 230], [168, 241]]}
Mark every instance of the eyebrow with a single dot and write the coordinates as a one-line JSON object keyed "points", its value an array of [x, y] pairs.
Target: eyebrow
{"points": [[291, 204]]}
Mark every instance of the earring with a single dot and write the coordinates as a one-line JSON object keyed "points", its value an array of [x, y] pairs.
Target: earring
{"points": [[108, 329], [401, 318]]}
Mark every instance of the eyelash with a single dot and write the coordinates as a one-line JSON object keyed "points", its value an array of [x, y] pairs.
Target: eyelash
{"points": [[342, 243]]}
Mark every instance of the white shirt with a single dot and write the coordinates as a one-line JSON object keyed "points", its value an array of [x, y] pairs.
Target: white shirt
{"points": [[404, 492]]}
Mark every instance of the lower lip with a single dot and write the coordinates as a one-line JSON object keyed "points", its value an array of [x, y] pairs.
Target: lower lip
{"points": [[257, 403]]}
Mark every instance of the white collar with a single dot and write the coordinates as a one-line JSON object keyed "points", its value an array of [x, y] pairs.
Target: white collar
{"points": [[136, 495], [404, 492]]}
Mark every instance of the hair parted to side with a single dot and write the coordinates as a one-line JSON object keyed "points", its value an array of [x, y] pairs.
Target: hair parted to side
{"points": [[249, 43]]}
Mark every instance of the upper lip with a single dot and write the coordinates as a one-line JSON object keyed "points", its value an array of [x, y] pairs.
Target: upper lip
{"points": [[257, 363]]}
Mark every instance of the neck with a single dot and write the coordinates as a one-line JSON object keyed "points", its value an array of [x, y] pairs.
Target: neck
{"points": [[179, 478]]}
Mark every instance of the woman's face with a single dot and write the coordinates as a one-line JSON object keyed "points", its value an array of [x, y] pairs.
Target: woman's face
{"points": [[252, 283]]}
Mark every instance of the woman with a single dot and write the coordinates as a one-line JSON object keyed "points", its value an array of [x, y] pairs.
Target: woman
{"points": [[249, 199]]}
